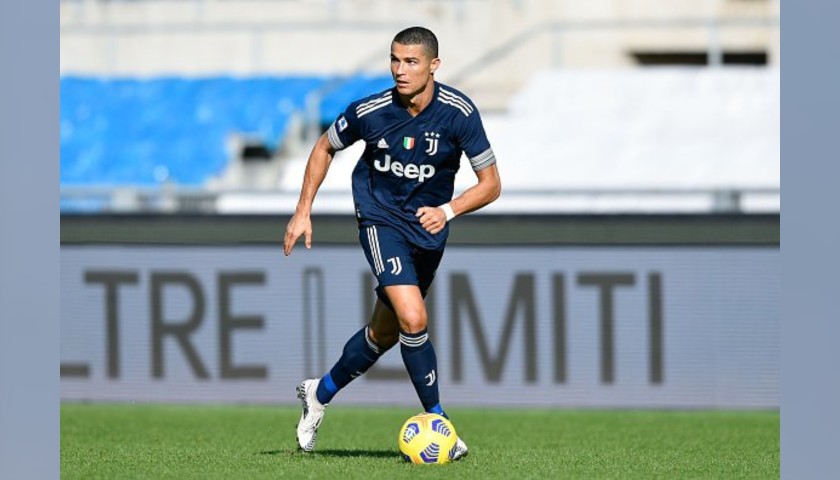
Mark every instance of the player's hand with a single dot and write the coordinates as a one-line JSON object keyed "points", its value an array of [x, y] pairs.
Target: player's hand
{"points": [[299, 225], [433, 219]]}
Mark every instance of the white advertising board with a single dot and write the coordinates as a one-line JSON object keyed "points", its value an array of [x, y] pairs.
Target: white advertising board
{"points": [[636, 327]]}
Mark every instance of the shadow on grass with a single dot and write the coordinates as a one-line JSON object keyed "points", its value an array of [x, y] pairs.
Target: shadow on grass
{"points": [[338, 453]]}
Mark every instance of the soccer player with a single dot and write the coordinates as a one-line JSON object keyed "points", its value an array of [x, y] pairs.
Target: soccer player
{"points": [[414, 136]]}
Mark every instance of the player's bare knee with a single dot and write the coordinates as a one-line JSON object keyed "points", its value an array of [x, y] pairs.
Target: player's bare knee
{"points": [[413, 320]]}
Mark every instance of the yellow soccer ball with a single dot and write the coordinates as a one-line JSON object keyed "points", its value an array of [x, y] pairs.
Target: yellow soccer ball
{"points": [[427, 438]]}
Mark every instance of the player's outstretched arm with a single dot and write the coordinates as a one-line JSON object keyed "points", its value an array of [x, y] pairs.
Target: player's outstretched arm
{"points": [[488, 189], [316, 171]]}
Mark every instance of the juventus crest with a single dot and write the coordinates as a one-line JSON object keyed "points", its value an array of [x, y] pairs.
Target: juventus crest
{"points": [[432, 139]]}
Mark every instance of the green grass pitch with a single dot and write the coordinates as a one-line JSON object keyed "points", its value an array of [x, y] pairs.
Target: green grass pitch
{"points": [[249, 442]]}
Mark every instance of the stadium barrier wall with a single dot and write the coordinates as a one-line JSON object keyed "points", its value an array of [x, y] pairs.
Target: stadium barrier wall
{"points": [[637, 317]]}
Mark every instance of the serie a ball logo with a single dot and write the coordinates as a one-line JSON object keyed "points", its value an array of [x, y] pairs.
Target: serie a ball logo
{"points": [[427, 438]]}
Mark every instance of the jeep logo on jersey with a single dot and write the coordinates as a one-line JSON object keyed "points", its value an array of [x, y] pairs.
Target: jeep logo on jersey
{"points": [[420, 172]]}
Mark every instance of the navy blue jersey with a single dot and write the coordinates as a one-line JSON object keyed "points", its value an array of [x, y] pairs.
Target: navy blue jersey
{"points": [[410, 162]]}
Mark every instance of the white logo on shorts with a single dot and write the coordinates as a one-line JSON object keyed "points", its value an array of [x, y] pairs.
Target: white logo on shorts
{"points": [[396, 266]]}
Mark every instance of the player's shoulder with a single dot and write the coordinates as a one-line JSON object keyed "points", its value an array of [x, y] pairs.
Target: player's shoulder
{"points": [[452, 98], [371, 103]]}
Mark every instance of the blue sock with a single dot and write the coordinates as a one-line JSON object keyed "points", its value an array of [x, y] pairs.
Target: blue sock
{"points": [[421, 362], [360, 353], [437, 409]]}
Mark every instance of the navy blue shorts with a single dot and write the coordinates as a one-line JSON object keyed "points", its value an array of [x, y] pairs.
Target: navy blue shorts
{"points": [[395, 261]]}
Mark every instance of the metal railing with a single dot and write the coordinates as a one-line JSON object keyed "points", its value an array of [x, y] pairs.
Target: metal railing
{"points": [[169, 199]]}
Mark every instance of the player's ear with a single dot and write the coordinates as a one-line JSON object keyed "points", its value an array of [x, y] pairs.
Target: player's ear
{"points": [[435, 64]]}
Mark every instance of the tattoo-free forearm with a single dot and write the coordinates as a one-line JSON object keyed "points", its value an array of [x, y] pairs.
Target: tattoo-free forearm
{"points": [[316, 170], [488, 189]]}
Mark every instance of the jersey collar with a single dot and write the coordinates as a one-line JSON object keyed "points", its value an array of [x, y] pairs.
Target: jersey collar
{"points": [[402, 111]]}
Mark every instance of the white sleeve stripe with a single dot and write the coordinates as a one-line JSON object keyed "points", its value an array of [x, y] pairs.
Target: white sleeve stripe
{"points": [[363, 106], [482, 156], [489, 162], [483, 160], [332, 136], [459, 107], [368, 106], [377, 107], [386, 94], [455, 98]]}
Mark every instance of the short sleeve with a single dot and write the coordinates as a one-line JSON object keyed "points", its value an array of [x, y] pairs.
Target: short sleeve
{"points": [[344, 131], [473, 141]]}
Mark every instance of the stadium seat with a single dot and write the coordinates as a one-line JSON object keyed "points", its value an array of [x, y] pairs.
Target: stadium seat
{"points": [[129, 131]]}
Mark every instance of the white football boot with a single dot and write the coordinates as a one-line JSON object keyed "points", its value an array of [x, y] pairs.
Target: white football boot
{"points": [[460, 451], [312, 415]]}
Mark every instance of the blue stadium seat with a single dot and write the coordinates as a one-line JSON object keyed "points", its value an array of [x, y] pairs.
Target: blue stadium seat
{"points": [[128, 131]]}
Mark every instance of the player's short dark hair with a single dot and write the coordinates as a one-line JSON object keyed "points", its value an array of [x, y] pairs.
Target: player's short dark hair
{"points": [[419, 36]]}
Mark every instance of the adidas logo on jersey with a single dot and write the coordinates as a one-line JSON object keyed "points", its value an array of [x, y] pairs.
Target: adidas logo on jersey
{"points": [[412, 171], [382, 143]]}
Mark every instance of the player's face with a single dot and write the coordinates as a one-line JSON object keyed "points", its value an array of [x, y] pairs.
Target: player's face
{"points": [[411, 68]]}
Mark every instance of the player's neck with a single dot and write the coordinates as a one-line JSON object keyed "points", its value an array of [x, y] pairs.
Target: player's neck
{"points": [[420, 100]]}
